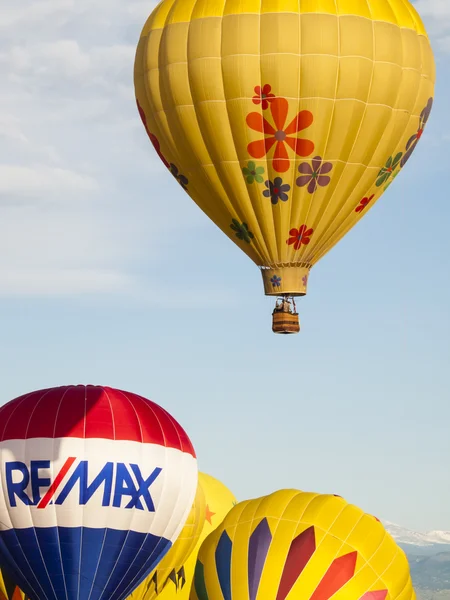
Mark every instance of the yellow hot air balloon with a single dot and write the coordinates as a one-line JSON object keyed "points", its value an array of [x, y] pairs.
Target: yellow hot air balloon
{"points": [[284, 120], [172, 580], [295, 545], [168, 568]]}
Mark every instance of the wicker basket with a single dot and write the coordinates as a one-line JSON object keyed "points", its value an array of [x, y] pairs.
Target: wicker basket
{"points": [[285, 322]]}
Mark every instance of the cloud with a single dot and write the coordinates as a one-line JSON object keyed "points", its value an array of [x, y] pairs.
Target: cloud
{"points": [[77, 212], [64, 60], [10, 129], [41, 182], [13, 14], [437, 9], [436, 17], [58, 13], [62, 282]]}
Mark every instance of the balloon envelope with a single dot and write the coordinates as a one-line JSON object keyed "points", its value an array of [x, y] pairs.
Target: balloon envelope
{"points": [[97, 485], [284, 121], [295, 545]]}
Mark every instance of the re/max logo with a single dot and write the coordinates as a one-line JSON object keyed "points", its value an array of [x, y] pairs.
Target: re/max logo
{"points": [[115, 479]]}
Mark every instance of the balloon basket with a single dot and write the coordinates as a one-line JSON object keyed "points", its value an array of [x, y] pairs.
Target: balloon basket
{"points": [[285, 317]]}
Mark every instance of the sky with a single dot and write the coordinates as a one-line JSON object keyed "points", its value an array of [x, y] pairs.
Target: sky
{"points": [[109, 274]]}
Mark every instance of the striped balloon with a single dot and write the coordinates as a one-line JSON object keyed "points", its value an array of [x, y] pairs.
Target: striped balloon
{"points": [[294, 545], [97, 484]]}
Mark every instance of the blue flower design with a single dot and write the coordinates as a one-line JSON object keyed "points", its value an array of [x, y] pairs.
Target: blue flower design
{"points": [[182, 180], [275, 281], [277, 190]]}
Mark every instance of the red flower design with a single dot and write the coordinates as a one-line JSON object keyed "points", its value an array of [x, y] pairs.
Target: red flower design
{"points": [[142, 114], [364, 202], [154, 140], [300, 237], [263, 96], [279, 134]]}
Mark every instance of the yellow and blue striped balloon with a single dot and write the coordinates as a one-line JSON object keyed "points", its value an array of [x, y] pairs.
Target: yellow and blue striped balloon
{"points": [[294, 545]]}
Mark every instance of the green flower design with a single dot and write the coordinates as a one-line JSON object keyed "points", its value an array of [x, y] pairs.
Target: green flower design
{"points": [[388, 169], [391, 181], [253, 173], [242, 231]]}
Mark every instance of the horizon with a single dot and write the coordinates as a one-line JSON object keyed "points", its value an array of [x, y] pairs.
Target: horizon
{"points": [[111, 274]]}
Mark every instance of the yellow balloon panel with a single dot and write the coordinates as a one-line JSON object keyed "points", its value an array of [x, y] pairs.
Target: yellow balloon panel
{"points": [[285, 121], [295, 545], [169, 567], [174, 576], [219, 502]]}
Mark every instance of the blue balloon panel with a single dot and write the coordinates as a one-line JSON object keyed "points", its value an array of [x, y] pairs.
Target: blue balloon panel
{"points": [[79, 563]]}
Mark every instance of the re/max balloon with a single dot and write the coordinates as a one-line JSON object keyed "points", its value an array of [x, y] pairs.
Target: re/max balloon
{"points": [[284, 121], [295, 545], [97, 485]]}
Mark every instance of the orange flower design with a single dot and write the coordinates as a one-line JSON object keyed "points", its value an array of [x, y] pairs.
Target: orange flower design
{"points": [[280, 135]]}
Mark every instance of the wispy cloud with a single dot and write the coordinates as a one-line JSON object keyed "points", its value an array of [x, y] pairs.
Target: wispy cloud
{"points": [[436, 16], [41, 182], [433, 8], [76, 170]]}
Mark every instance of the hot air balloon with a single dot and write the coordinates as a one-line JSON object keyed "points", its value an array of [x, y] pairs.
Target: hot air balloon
{"points": [[285, 121], [97, 485], [294, 545], [177, 585], [169, 569]]}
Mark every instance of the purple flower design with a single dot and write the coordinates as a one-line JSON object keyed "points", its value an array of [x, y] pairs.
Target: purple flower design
{"points": [[277, 190], [414, 139], [313, 174], [305, 279]]}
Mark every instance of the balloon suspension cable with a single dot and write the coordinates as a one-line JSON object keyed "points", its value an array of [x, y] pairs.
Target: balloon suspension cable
{"points": [[286, 303], [293, 303]]}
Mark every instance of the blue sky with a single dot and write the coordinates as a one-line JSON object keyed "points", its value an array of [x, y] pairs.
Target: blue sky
{"points": [[110, 274]]}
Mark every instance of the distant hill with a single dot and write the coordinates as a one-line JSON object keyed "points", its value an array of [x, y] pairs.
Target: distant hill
{"points": [[429, 558], [431, 572]]}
